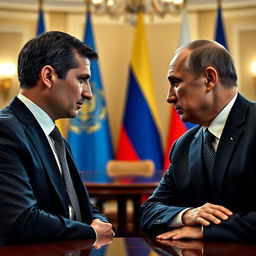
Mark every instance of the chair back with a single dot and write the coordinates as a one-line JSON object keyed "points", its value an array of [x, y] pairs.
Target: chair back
{"points": [[141, 168]]}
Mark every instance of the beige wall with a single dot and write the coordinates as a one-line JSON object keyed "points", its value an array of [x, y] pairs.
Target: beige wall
{"points": [[114, 42]]}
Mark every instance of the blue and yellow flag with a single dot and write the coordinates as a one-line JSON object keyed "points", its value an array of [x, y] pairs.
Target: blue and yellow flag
{"points": [[139, 137], [89, 134]]}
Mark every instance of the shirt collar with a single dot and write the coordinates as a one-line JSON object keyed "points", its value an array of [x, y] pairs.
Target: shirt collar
{"points": [[217, 125], [40, 115]]}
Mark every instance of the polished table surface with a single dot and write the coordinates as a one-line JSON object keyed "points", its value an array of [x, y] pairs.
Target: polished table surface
{"points": [[135, 246]]}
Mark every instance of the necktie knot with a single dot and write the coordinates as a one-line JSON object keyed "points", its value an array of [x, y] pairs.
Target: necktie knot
{"points": [[208, 137], [55, 134]]}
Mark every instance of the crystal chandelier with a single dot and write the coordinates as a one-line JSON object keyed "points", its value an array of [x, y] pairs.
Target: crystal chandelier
{"points": [[129, 8]]}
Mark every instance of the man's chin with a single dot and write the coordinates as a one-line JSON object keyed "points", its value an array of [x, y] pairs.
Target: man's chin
{"points": [[73, 114], [183, 117]]}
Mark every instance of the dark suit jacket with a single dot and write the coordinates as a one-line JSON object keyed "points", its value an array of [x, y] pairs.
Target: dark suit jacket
{"points": [[33, 201], [233, 184]]}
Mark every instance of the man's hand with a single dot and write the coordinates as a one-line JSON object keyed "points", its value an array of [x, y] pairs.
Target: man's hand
{"points": [[102, 229], [205, 214], [183, 232]]}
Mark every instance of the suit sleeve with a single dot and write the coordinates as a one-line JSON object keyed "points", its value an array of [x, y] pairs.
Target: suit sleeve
{"points": [[159, 210], [240, 227], [21, 219], [96, 214]]}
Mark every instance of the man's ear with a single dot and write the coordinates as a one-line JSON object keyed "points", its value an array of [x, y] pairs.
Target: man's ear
{"points": [[47, 75], [211, 78]]}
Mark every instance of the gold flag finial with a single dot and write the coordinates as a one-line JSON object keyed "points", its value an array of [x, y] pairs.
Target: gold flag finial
{"points": [[41, 2], [219, 3], [87, 5]]}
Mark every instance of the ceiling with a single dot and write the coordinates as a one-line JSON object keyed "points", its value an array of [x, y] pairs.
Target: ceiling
{"points": [[78, 5]]}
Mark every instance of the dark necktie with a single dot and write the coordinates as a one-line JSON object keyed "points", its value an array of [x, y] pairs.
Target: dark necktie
{"points": [[61, 152], [208, 152]]}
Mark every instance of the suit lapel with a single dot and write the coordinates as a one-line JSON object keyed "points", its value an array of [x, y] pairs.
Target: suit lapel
{"points": [[228, 143], [41, 145], [196, 169], [44, 151]]}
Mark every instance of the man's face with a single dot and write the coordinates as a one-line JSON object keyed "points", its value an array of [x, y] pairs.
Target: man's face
{"points": [[69, 93], [187, 92]]}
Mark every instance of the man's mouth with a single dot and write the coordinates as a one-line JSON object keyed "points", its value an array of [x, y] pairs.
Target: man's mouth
{"points": [[79, 104], [179, 110]]}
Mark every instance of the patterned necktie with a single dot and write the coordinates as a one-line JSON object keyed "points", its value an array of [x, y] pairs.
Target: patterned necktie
{"points": [[208, 152], [61, 152]]}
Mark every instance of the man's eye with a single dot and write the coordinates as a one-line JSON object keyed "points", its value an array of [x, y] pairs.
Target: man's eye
{"points": [[81, 80], [175, 82]]}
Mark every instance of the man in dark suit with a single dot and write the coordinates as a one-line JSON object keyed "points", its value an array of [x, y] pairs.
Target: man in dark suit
{"points": [[208, 190], [54, 73]]}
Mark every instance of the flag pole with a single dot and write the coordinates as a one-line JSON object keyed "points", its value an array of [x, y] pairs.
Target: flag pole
{"points": [[220, 36], [40, 23], [87, 5], [41, 4]]}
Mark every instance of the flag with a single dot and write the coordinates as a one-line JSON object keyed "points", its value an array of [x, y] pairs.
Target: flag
{"points": [[220, 30], [176, 126], [175, 130], [139, 136], [40, 29], [89, 134]]}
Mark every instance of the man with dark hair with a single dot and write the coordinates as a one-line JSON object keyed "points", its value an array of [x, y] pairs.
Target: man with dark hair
{"points": [[206, 193], [42, 197]]}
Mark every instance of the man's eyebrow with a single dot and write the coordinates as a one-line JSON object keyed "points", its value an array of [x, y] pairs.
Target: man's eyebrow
{"points": [[172, 78], [84, 76]]}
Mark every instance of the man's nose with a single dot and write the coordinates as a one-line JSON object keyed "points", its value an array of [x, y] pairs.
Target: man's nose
{"points": [[171, 96], [87, 91]]}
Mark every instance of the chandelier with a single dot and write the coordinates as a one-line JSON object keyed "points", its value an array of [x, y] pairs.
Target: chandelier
{"points": [[129, 8]]}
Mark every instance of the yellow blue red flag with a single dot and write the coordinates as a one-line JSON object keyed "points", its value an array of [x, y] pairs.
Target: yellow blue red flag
{"points": [[139, 137]]}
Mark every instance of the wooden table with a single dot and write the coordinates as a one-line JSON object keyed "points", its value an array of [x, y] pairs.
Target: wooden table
{"points": [[135, 246], [121, 193]]}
